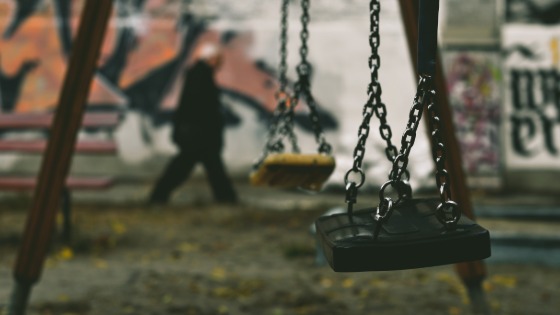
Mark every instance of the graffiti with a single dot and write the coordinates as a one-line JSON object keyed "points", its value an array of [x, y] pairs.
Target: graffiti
{"points": [[545, 12], [473, 82], [10, 85], [142, 62], [532, 97], [535, 118]]}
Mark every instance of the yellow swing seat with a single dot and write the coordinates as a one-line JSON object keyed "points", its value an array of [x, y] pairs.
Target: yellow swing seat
{"points": [[292, 170]]}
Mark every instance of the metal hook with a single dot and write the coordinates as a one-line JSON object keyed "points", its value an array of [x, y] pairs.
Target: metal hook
{"points": [[351, 196], [384, 211]]}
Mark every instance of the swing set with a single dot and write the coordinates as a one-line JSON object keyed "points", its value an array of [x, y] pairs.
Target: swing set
{"points": [[425, 232], [401, 232], [288, 170]]}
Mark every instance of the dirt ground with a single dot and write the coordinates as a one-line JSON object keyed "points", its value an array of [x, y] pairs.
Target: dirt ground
{"points": [[217, 259]]}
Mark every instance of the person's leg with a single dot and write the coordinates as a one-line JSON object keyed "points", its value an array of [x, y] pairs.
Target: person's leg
{"points": [[221, 184], [176, 172]]}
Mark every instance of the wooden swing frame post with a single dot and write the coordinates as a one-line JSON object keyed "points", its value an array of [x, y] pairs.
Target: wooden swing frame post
{"points": [[60, 148], [471, 273]]}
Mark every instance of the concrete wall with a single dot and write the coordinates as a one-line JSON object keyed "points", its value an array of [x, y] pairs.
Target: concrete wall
{"points": [[338, 50]]}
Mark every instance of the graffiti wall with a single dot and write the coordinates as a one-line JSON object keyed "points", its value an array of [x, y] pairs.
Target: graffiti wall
{"points": [[474, 85], [150, 44], [539, 12], [532, 104], [470, 36]]}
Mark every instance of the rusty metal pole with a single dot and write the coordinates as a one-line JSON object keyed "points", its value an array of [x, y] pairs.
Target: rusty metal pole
{"points": [[471, 273], [56, 161]]}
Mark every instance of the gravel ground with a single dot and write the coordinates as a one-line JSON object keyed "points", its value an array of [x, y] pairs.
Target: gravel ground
{"points": [[219, 259]]}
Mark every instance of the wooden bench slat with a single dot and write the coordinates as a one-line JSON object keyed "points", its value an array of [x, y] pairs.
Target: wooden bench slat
{"points": [[44, 120], [74, 183], [38, 146]]}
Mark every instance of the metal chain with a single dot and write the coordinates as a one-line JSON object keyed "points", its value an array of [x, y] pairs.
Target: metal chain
{"points": [[373, 105], [303, 85], [283, 67], [303, 68], [374, 88], [409, 136], [324, 146], [281, 123], [385, 207], [284, 115], [447, 212]]}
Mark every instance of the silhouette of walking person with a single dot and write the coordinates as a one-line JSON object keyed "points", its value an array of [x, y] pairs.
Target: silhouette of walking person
{"points": [[198, 128]]}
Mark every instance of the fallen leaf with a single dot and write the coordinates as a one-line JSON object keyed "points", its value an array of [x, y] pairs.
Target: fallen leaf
{"points": [[505, 281], [326, 282], [65, 253], [453, 310], [223, 309], [348, 283], [218, 273], [100, 264], [118, 227], [187, 247]]}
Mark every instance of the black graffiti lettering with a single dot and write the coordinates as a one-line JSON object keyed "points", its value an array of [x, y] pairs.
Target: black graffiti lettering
{"points": [[533, 115], [546, 78], [523, 130], [548, 129], [556, 90], [515, 88], [529, 89]]}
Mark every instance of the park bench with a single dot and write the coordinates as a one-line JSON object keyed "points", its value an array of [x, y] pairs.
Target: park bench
{"points": [[42, 122]]}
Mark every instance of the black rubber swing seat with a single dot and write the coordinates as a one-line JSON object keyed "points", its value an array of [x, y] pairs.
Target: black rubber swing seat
{"points": [[291, 170], [411, 238]]}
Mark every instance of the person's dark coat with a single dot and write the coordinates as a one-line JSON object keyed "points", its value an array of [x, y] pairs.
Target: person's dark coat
{"points": [[198, 121]]}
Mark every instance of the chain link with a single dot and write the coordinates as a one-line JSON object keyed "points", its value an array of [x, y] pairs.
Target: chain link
{"points": [[281, 123], [283, 66], [409, 136], [400, 162], [448, 212], [374, 88], [286, 106], [373, 106], [303, 84], [303, 69]]}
